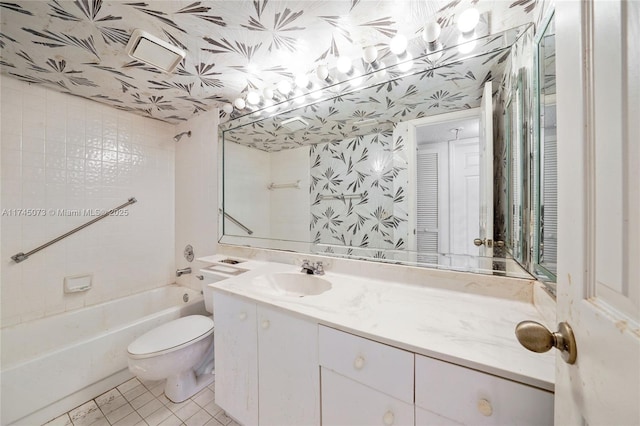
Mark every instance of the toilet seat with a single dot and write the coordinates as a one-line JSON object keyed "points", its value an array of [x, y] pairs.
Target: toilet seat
{"points": [[171, 336]]}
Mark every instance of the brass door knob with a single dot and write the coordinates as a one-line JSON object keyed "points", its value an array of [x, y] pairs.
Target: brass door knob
{"points": [[478, 242], [537, 338]]}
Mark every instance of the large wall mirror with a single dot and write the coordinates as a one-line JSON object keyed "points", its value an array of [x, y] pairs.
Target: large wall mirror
{"points": [[545, 244], [396, 165]]}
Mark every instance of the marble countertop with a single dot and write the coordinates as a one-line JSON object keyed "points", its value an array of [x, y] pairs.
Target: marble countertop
{"points": [[468, 329]]}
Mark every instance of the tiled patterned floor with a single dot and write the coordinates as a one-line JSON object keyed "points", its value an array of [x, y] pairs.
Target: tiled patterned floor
{"points": [[143, 403]]}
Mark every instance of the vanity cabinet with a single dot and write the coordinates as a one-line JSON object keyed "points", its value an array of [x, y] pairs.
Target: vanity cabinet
{"points": [[364, 382], [288, 374], [236, 357], [273, 368], [266, 364], [450, 394]]}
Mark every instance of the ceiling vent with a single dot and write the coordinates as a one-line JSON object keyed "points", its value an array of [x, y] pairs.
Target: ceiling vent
{"points": [[294, 124], [153, 51]]}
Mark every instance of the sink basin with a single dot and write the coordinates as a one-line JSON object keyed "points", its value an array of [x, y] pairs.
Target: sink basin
{"points": [[297, 284]]}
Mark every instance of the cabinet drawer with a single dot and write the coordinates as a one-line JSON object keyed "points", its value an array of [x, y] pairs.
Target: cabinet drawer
{"points": [[348, 403], [471, 397], [374, 364]]}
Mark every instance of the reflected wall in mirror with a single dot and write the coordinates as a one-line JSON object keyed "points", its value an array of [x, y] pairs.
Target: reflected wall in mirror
{"points": [[371, 171], [546, 171]]}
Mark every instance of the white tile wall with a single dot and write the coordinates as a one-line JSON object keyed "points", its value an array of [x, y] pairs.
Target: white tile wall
{"points": [[197, 193], [290, 207], [64, 152], [247, 173]]}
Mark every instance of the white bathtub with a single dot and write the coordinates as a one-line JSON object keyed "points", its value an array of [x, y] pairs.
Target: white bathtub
{"points": [[53, 364]]}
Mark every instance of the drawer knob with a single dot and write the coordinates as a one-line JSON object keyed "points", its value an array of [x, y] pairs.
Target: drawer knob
{"points": [[388, 418], [265, 324], [358, 363], [484, 407], [242, 316]]}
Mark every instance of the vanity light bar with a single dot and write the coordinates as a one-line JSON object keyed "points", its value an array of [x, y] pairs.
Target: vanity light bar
{"points": [[466, 23]]}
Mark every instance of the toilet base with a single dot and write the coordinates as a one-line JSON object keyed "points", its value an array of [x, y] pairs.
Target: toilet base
{"points": [[183, 386]]}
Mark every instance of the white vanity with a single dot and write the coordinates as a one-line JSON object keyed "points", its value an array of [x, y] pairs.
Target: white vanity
{"points": [[427, 347]]}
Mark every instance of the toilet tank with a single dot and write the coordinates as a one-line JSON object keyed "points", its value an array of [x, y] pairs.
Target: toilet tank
{"points": [[207, 292]]}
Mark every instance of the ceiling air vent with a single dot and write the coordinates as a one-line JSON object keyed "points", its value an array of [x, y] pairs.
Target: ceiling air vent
{"points": [[153, 51], [294, 124]]}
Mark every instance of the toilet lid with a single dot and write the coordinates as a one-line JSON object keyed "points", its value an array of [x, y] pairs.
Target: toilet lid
{"points": [[170, 335]]}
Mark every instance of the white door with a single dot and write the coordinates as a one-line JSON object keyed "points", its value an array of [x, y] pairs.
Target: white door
{"points": [[465, 195], [486, 171], [598, 80]]}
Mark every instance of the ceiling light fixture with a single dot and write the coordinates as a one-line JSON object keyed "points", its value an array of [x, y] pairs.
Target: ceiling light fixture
{"points": [[284, 87], [227, 108], [239, 104], [370, 54], [398, 45], [406, 63], [323, 74], [302, 81], [253, 98], [343, 64], [468, 20]]}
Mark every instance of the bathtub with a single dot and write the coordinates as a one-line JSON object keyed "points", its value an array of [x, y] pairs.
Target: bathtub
{"points": [[53, 364]]}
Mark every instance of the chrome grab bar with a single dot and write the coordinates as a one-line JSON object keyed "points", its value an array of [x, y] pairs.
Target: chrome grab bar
{"points": [[19, 257], [236, 221]]}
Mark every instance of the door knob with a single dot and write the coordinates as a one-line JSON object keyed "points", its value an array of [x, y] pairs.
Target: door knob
{"points": [[537, 338], [481, 241]]}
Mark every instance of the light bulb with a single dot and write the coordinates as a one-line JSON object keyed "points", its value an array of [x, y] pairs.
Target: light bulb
{"points": [[316, 94], [227, 108], [302, 81], [268, 93], [406, 64], [431, 32], [253, 98], [284, 87], [239, 103], [370, 54], [398, 44], [466, 46], [322, 72], [468, 20], [344, 65]]}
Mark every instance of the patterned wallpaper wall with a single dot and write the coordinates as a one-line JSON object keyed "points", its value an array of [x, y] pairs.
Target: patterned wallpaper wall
{"points": [[232, 46], [358, 190]]}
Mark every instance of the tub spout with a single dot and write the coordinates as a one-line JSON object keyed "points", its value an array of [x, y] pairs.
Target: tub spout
{"points": [[180, 272]]}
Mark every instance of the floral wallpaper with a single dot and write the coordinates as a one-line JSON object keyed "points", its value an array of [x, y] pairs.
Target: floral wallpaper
{"points": [[455, 83], [356, 185], [78, 47]]}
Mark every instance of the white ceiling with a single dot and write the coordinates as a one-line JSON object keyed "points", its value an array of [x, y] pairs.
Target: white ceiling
{"points": [[78, 47]]}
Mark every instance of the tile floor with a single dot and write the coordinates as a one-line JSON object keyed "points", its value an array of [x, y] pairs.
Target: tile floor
{"points": [[142, 403]]}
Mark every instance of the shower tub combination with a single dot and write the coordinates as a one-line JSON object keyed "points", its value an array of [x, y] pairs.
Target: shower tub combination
{"points": [[53, 364]]}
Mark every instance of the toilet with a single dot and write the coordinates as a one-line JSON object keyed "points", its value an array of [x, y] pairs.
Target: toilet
{"points": [[180, 351]]}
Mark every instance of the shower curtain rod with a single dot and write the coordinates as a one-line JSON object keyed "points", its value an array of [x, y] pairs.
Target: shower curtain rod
{"points": [[19, 257]]}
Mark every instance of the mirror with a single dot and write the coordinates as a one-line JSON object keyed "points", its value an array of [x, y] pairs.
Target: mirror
{"points": [[374, 163], [546, 170]]}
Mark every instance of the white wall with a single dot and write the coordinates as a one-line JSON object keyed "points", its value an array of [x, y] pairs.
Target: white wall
{"points": [[65, 152], [197, 193], [247, 173], [290, 207]]}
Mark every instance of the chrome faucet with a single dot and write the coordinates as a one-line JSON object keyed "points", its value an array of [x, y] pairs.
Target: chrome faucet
{"points": [[180, 272], [312, 268]]}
